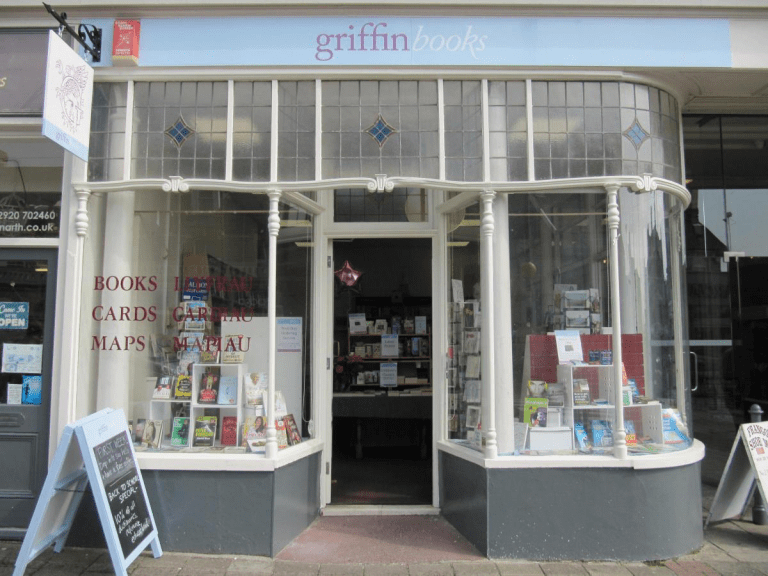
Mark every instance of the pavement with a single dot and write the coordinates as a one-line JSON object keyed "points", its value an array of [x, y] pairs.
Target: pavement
{"points": [[732, 547]]}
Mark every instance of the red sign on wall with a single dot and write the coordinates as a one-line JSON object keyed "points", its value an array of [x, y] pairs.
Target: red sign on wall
{"points": [[125, 43]]}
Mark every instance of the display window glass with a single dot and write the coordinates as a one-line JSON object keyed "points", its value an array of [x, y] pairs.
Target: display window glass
{"points": [[563, 324], [464, 323], [182, 325]]}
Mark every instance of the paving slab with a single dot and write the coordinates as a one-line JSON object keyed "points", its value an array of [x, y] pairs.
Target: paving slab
{"points": [[431, 569], [342, 569], [250, 566], [647, 569], [563, 568], [475, 568], [739, 568], [606, 569], [518, 568], [287, 568], [691, 568], [385, 569]]}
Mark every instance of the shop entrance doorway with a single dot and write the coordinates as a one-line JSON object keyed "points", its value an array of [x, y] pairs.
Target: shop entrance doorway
{"points": [[27, 288], [382, 401]]}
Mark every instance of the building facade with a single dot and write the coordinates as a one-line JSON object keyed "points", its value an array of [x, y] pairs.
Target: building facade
{"points": [[333, 260]]}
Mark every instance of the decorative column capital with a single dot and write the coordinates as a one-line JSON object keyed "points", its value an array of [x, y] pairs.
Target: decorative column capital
{"points": [[175, 184]]}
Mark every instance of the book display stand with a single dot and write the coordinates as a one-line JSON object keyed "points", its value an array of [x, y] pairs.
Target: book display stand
{"points": [[588, 394]]}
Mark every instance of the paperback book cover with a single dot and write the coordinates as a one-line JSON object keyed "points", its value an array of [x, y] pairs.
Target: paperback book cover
{"points": [[31, 389], [182, 388], [205, 431], [163, 388], [535, 412], [233, 352], [180, 431], [581, 395], [209, 388], [292, 430], [138, 430], [255, 433], [255, 385], [228, 390], [153, 433], [282, 435], [229, 431]]}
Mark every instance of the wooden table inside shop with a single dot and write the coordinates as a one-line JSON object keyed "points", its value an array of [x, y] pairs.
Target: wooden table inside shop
{"points": [[360, 405]]}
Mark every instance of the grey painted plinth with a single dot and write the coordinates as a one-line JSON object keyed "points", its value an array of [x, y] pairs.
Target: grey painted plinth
{"points": [[221, 512], [619, 514]]}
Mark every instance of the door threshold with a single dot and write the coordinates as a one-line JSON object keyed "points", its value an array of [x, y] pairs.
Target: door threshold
{"points": [[378, 510]]}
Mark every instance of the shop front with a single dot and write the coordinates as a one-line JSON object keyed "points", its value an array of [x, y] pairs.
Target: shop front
{"points": [[30, 198], [385, 270]]}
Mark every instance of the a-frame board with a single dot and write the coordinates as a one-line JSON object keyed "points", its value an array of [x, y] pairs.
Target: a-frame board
{"points": [[95, 449], [747, 463]]}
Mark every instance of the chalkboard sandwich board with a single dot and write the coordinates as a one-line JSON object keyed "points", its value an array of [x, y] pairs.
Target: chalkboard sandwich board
{"points": [[96, 450]]}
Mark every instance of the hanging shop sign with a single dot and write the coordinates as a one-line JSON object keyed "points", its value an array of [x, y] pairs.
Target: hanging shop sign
{"points": [[68, 98]]}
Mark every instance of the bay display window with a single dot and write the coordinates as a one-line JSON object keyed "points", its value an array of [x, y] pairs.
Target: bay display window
{"points": [[183, 323], [580, 392]]}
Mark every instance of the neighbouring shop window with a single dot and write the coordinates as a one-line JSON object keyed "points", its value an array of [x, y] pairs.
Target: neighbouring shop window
{"points": [[464, 374], [188, 325]]}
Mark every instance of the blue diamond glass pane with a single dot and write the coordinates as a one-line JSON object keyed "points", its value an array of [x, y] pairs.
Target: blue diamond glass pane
{"points": [[179, 132], [636, 134], [380, 130]]}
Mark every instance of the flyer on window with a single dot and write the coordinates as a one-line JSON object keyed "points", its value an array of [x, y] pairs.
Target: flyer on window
{"points": [[22, 358]]}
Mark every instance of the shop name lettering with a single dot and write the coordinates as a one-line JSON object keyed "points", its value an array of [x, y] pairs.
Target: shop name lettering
{"points": [[758, 437], [374, 38], [220, 284]]}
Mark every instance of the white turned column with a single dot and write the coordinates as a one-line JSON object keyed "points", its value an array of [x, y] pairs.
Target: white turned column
{"points": [[274, 228], [487, 328], [619, 433]]}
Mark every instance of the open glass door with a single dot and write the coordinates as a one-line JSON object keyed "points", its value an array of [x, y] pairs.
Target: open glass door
{"points": [[382, 401]]}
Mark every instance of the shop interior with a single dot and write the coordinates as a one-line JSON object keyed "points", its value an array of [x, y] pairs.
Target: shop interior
{"points": [[382, 406]]}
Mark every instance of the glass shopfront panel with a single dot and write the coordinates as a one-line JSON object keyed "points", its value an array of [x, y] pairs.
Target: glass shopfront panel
{"points": [[563, 324], [464, 323], [184, 326]]}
